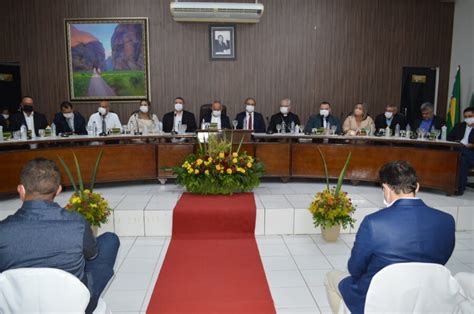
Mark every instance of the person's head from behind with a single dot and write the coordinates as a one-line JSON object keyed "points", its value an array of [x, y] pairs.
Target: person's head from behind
{"points": [[324, 108], [250, 104], [427, 111], [390, 111], [67, 109], [398, 179], [216, 108], [104, 107], [27, 104], [179, 104], [360, 110], [39, 180], [469, 116], [285, 106]]}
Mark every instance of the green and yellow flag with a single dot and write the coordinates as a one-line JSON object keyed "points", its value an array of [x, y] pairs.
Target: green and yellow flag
{"points": [[454, 106]]}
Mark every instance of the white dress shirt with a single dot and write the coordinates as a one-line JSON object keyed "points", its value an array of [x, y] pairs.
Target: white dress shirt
{"points": [[178, 120], [111, 121], [30, 122], [465, 139], [216, 120]]}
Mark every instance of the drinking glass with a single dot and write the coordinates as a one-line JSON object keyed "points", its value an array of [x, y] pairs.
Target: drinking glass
{"points": [[333, 129], [16, 135], [125, 129], [182, 128], [278, 127], [234, 123], [42, 132], [301, 128]]}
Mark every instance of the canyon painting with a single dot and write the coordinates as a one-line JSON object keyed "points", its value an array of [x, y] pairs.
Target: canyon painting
{"points": [[107, 59]]}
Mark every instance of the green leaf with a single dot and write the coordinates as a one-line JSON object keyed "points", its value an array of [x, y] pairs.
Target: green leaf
{"points": [[96, 168], [325, 167], [342, 174], [78, 169], [240, 144], [69, 174]]}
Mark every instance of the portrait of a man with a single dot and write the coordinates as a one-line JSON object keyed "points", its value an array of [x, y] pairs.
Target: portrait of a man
{"points": [[222, 42]]}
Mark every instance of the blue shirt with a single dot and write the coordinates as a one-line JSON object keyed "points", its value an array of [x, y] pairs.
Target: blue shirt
{"points": [[42, 234], [426, 124]]}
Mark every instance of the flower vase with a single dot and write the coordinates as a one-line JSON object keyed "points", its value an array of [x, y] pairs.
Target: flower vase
{"points": [[331, 234], [95, 230]]}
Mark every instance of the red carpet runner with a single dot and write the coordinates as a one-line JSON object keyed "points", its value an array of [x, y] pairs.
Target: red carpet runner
{"points": [[212, 264]]}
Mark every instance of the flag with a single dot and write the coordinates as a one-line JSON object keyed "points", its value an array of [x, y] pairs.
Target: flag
{"points": [[454, 106]]}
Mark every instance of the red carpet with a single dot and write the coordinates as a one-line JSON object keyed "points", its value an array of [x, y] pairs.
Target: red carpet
{"points": [[212, 264]]}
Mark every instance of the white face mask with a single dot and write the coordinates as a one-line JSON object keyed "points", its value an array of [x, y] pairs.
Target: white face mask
{"points": [[68, 115], [284, 110], [178, 107], [216, 113], [469, 120], [324, 112], [358, 112], [144, 109], [102, 111], [388, 114], [249, 108], [6, 116]]}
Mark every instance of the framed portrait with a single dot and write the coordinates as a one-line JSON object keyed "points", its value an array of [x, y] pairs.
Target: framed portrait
{"points": [[107, 58], [222, 42]]}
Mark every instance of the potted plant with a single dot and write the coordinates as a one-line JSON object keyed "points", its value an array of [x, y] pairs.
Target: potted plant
{"points": [[217, 169], [85, 201], [332, 208]]}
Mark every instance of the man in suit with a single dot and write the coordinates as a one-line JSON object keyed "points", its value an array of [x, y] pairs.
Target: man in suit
{"points": [[221, 45], [32, 119], [390, 118], [42, 234], [323, 120], [216, 117], [249, 119], [179, 116], [429, 121], [5, 119], [285, 115], [405, 231], [462, 132], [69, 121]]}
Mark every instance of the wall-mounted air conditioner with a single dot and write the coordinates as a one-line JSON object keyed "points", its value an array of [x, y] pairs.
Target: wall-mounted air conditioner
{"points": [[216, 12]]}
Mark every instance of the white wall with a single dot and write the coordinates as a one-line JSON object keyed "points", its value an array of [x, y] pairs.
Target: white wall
{"points": [[462, 51]]}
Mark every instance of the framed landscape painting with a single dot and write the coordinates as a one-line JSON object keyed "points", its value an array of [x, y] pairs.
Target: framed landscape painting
{"points": [[107, 59]]}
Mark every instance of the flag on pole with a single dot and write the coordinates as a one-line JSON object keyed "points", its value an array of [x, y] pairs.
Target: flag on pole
{"points": [[454, 106]]}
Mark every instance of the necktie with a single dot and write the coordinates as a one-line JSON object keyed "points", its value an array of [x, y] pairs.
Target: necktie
{"points": [[71, 124], [104, 127], [250, 122]]}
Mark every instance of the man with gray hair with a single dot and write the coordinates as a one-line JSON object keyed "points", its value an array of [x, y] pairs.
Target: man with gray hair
{"points": [[429, 121], [285, 116]]}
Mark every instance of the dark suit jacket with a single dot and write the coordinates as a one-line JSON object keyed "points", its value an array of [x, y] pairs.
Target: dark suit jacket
{"points": [[63, 127], [316, 121], [5, 123], [381, 122], [188, 119], [457, 133], [436, 123], [225, 123], [407, 231], [258, 123], [42, 234], [277, 118], [17, 119]]}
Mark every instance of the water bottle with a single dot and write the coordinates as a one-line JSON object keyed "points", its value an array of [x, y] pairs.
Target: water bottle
{"points": [[397, 130], [444, 133], [202, 124], [283, 127], [23, 132], [1, 133], [408, 131], [53, 129], [297, 129], [387, 131], [292, 127], [94, 128]]}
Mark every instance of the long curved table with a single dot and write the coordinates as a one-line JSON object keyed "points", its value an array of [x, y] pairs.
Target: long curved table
{"points": [[144, 157]]}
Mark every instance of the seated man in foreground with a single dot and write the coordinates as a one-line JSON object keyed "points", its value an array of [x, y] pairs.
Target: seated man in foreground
{"points": [[42, 234], [406, 231]]}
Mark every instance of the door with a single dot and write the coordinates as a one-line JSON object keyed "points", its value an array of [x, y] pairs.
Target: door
{"points": [[10, 86], [419, 85]]}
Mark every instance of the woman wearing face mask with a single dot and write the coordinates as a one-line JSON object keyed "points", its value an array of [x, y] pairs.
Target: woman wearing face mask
{"points": [[358, 120], [143, 120]]}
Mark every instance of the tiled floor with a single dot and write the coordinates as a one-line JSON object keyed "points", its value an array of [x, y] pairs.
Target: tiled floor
{"points": [[295, 265]]}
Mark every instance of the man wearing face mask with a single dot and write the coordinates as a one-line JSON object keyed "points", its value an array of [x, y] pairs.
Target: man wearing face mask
{"points": [[69, 121], [285, 115], [390, 118], [5, 119], [323, 120], [463, 133], [405, 231], [32, 119], [217, 117], [249, 119], [104, 119], [179, 116]]}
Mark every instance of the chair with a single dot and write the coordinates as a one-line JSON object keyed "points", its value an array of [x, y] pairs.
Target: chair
{"points": [[416, 288], [44, 290], [206, 110]]}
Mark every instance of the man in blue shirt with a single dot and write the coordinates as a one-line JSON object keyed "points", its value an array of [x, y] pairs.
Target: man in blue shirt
{"points": [[42, 234], [405, 231], [429, 121]]}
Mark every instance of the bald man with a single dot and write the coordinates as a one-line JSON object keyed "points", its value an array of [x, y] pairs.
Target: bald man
{"points": [[28, 116], [104, 119]]}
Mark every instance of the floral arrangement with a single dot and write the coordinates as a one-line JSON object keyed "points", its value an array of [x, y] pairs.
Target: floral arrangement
{"points": [[217, 169], [91, 205], [332, 206]]}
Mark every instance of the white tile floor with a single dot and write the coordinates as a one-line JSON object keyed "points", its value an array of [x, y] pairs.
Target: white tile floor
{"points": [[295, 265]]}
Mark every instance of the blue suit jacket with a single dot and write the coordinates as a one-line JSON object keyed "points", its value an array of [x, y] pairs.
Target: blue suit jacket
{"points": [[407, 231], [258, 124], [316, 122]]}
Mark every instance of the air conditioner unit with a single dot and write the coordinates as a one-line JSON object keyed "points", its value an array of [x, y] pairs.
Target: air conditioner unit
{"points": [[216, 12]]}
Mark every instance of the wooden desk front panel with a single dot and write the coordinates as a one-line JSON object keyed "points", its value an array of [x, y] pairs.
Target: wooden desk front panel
{"points": [[172, 155], [276, 158], [119, 163]]}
